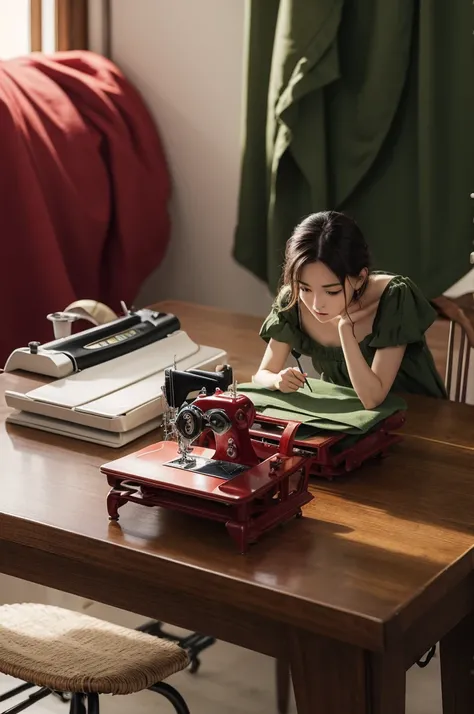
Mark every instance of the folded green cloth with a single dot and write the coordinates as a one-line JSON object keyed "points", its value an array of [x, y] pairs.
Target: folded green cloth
{"points": [[328, 407]]}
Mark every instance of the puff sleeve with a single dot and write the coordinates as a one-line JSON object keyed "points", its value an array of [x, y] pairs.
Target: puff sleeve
{"points": [[403, 316], [281, 324]]}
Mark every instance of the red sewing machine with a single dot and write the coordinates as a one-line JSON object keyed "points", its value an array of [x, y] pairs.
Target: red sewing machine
{"points": [[229, 463]]}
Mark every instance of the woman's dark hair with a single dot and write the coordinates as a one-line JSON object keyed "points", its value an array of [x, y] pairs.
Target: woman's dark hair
{"points": [[334, 239]]}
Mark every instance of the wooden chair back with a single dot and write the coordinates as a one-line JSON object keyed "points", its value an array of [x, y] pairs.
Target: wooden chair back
{"points": [[460, 313]]}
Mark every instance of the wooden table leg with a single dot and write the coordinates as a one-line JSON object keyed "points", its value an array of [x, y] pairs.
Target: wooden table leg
{"points": [[328, 676], [387, 683], [457, 665], [283, 681]]}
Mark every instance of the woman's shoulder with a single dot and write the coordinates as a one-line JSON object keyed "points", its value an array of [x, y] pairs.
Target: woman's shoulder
{"points": [[404, 313], [389, 287], [281, 323]]}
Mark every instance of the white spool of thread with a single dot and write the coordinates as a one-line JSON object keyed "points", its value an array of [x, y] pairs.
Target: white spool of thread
{"points": [[91, 310]]}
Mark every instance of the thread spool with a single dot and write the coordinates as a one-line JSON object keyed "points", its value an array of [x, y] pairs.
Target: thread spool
{"points": [[90, 310]]}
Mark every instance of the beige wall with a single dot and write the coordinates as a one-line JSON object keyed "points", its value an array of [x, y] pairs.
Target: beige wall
{"points": [[186, 57]]}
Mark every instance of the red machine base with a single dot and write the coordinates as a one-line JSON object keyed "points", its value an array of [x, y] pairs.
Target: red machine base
{"points": [[250, 503], [244, 469]]}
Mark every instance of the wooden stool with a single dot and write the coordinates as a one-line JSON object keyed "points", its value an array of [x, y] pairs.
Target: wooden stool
{"points": [[63, 651]]}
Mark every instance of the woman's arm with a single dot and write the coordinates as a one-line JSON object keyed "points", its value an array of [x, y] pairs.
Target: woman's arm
{"points": [[271, 374], [372, 384]]}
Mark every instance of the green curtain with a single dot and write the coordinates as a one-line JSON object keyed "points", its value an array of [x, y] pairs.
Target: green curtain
{"points": [[367, 107]]}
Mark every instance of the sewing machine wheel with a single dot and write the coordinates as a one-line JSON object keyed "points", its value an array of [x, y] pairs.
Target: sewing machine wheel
{"points": [[190, 422], [218, 421]]}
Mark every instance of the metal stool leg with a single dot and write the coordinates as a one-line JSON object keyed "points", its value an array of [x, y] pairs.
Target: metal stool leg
{"points": [[92, 704], [172, 695], [78, 705], [18, 690], [32, 699], [194, 643]]}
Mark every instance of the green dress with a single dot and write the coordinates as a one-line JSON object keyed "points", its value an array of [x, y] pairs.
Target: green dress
{"points": [[402, 318]]}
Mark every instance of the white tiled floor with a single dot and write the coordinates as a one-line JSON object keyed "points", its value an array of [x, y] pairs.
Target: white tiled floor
{"points": [[232, 681]]}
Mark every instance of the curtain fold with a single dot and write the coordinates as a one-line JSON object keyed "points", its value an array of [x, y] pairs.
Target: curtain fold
{"points": [[363, 106], [84, 190]]}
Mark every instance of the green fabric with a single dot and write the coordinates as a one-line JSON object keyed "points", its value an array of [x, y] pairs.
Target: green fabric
{"points": [[364, 107], [328, 407], [402, 318]]}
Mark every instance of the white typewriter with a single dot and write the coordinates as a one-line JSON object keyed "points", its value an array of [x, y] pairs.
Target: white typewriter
{"points": [[107, 380]]}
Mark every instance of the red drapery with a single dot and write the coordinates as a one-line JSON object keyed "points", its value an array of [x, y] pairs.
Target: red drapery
{"points": [[84, 190]]}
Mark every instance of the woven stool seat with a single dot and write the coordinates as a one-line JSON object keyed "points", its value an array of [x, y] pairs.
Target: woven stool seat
{"points": [[71, 652]]}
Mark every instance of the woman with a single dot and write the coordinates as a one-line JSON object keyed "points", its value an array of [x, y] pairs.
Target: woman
{"points": [[363, 329]]}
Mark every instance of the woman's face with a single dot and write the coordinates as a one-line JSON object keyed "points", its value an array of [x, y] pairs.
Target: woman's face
{"points": [[322, 293]]}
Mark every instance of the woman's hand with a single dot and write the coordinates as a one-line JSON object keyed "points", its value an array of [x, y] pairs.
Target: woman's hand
{"points": [[357, 316], [290, 380]]}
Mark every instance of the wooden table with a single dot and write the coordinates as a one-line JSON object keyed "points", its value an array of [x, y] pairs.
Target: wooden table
{"points": [[380, 568]]}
